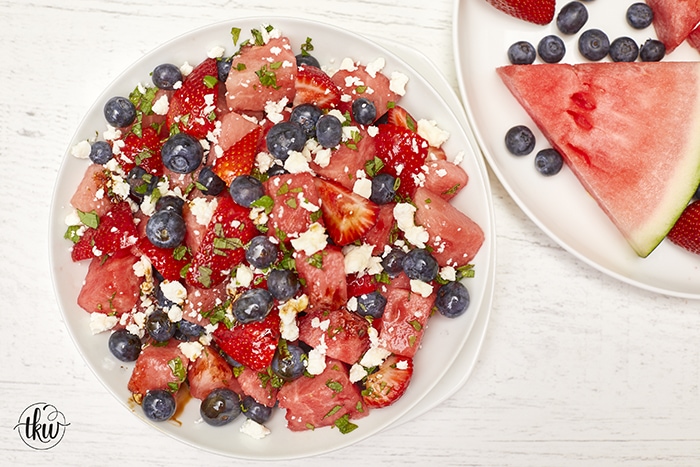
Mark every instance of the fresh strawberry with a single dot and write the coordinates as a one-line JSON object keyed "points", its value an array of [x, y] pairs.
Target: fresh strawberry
{"points": [[83, 248], [686, 231], [389, 382], [347, 215], [253, 344], [116, 230], [360, 285], [314, 86], [534, 11], [169, 262], [143, 151], [192, 106], [403, 152], [222, 246], [399, 116], [239, 158]]}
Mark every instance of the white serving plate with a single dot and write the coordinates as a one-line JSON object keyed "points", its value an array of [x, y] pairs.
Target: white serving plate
{"points": [[443, 341], [558, 205]]}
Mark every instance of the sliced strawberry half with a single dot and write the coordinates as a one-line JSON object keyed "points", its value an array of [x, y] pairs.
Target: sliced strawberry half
{"points": [[533, 11], [399, 116], [686, 231], [346, 215], [192, 107], [361, 285], [222, 246], [389, 382], [314, 86], [403, 152], [142, 151], [169, 262], [83, 248], [239, 158], [253, 344], [116, 230]]}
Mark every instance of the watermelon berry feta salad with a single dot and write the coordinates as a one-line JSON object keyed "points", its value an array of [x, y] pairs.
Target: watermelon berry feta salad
{"points": [[264, 234]]}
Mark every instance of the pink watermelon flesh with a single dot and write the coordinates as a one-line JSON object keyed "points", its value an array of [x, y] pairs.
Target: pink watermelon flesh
{"points": [[628, 131], [674, 20]]}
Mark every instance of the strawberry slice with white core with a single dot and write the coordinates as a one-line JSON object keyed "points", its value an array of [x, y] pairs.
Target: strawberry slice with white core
{"points": [[346, 215]]}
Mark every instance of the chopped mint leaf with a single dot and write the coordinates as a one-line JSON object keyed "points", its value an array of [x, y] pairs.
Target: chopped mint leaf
{"points": [[210, 81], [235, 35], [90, 219], [344, 424]]}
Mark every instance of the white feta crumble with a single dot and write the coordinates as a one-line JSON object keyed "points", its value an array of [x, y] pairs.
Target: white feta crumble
{"points": [[402, 365], [312, 240], [374, 356], [264, 161], [348, 64], [100, 322], [398, 82], [186, 69], [203, 210], [142, 268], [81, 150], [372, 131], [288, 316], [363, 187], [375, 67], [358, 260], [274, 110], [174, 291], [416, 234], [357, 372], [254, 429], [459, 157], [216, 52], [174, 314], [316, 323], [244, 277], [111, 133], [73, 218], [316, 362], [421, 288], [430, 130], [352, 304], [192, 350], [322, 157], [161, 106], [448, 273], [296, 163]]}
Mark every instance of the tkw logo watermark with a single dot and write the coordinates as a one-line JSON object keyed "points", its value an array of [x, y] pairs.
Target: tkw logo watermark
{"points": [[41, 426]]}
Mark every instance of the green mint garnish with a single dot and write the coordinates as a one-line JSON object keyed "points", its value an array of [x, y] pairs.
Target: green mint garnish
{"points": [[90, 219], [235, 35]]}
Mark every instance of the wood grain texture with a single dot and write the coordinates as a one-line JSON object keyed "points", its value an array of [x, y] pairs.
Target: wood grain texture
{"points": [[576, 369]]}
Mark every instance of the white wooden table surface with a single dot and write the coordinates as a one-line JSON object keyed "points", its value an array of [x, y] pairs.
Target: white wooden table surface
{"points": [[576, 369]]}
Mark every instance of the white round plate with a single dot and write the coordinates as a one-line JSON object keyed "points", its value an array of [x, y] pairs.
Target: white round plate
{"points": [[558, 205], [443, 340]]}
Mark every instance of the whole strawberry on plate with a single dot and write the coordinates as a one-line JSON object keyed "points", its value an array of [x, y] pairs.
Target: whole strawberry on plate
{"points": [[533, 11]]}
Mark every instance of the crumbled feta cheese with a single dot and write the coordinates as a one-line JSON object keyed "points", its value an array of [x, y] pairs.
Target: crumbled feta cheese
{"points": [[312, 241], [142, 267], [316, 323], [322, 157], [398, 83], [416, 234], [363, 187], [357, 372], [100, 322], [186, 69], [192, 350], [244, 276], [348, 64], [296, 163], [203, 210], [254, 429], [374, 356], [421, 288], [429, 130], [459, 157], [175, 314], [359, 260], [448, 273], [402, 365], [288, 313], [375, 67], [72, 218], [352, 304], [111, 133], [216, 52], [174, 291], [264, 161], [81, 150], [316, 362], [274, 110], [161, 106]]}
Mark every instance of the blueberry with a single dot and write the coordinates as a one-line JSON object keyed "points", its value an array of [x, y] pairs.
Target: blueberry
{"points": [[282, 284], [551, 49], [182, 153], [261, 252], [522, 53], [572, 17], [363, 111], [125, 345], [594, 44], [371, 304], [188, 331], [652, 51], [140, 182], [165, 76], [520, 140], [252, 305], [276, 169], [100, 152], [419, 264], [158, 405], [624, 49], [245, 190], [119, 112], [452, 299], [329, 131], [220, 407], [159, 326], [210, 183], [306, 116], [288, 362], [639, 15], [285, 137], [306, 59], [383, 190], [166, 229], [171, 202], [548, 162], [255, 411], [223, 67], [392, 262]]}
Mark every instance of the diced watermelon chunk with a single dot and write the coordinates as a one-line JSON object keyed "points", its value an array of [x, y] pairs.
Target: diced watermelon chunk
{"points": [[292, 194], [445, 178], [344, 333], [454, 237], [252, 385], [347, 160], [91, 194], [111, 285], [208, 372], [403, 322], [380, 234], [324, 400], [359, 83], [326, 286], [158, 367], [674, 20], [233, 128]]}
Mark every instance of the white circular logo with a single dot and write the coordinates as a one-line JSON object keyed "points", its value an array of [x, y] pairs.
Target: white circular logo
{"points": [[41, 426]]}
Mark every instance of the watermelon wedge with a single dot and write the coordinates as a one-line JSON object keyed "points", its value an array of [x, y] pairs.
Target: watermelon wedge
{"points": [[630, 132], [674, 20]]}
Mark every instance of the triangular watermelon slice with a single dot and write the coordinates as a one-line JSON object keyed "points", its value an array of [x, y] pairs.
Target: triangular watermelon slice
{"points": [[674, 20], [630, 132]]}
